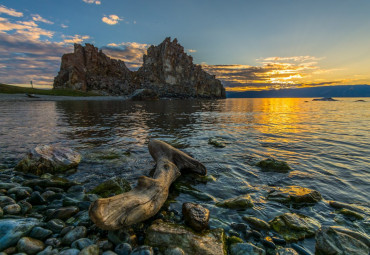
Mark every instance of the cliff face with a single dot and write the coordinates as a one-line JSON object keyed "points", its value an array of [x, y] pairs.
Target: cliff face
{"points": [[167, 69]]}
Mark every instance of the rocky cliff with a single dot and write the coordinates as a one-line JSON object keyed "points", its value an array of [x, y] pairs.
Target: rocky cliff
{"points": [[166, 69]]}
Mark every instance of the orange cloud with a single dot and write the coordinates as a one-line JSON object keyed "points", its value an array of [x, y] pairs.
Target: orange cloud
{"points": [[111, 19], [10, 11]]}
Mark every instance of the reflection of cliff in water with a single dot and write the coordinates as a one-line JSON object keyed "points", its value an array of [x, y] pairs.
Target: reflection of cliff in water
{"points": [[101, 122]]}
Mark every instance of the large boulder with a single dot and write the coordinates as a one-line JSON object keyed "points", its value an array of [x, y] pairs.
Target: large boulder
{"points": [[294, 227], [49, 159], [163, 235], [11, 230], [338, 240], [294, 194]]}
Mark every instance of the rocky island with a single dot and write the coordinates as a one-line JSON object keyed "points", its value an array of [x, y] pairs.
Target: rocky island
{"points": [[166, 69]]}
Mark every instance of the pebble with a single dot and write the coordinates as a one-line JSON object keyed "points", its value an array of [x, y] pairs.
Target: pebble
{"points": [[20, 192], [241, 227], [174, 251], [105, 245], [109, 253], [5, 185], [256, 234], [123, 249], [1, 212], [300, 250], [48, 251], [55, 225], [30, 245], [90, 250], [286, 251], [118, 236], [76, 189], [81, 243], [25, 207], [279, 241], [13, 209], [69, 252], [47, 194], [143, 250], [74, 234], [54, 242], [36, 199], [267, 242], [5, 200], [66, 230], [64, 213], [40, 233]]}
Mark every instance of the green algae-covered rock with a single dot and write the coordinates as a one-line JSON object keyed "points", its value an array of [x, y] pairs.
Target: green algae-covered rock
{"points": [[163, 235], [240, 202], [216, 143], [49, 159], [294, 227], [351, 214], [294, 194], [257, 223], [112, 187], [273, 165], [233, 239]]}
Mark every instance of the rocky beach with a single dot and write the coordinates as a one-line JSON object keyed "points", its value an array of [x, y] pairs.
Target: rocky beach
{"points": [[42, 212]]}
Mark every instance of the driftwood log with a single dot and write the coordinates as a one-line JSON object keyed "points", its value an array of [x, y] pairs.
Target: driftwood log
{"points": [[147, 198]]}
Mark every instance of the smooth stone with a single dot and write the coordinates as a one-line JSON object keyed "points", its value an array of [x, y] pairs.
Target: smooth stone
{"points": [[286, 251], [40, 233], [20, 192], [241, 227], [54, 242], [10, 250], [143, 250], [90, 250], [13, 209], [112, 187], [105, 245], [7, 186], [48, 183], [49, 159], [30, 245], [257, 223], [234, 239], [174, 251], [353, 207], [11, 230], [256, 234], [36, 199], [240, 202], [273, 165], [64, 213], [66, 230], [91, 197], [123, 249], [82, 243], [300, 250], [351, 214], [5, 200], [195, 216], [267, 242], [330, 240], [48, 251], [76, 189], [163, 235], [25, 207], [216, 143], [245, 249], [294, 194], [74, 234], [3, 253], [294, 227], [1, 212], [55, 225], [278, 241], [69, 252], [118, 236], [109, 253], [48, 194]]}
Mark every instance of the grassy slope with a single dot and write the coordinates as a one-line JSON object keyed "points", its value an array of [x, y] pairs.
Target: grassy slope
{"points": [[9, 89]]}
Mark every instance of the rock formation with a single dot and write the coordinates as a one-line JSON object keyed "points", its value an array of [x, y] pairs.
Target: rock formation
{"points": [[166, 69]]}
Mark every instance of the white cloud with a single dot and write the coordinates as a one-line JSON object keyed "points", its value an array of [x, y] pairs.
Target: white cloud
{"points": [[92, 1], [37, 17], [111, 19], [191, 50], [10, 11], [63, 26], [75, 38], [26, 28]]}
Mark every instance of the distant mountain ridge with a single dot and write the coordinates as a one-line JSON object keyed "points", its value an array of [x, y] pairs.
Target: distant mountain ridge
{"points": [[325, 91]]}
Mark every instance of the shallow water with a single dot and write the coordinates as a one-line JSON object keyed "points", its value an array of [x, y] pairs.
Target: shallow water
{"points": [[327, 145]]}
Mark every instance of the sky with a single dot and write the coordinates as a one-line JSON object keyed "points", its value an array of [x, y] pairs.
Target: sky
{"points": [[247, 44]]}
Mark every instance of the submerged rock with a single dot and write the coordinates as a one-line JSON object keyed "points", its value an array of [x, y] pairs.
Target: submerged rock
{"points": [[112, 187], [30, 245], [257, 223], [163, 235], [144, 94], [245, 249], [90, 250], [11, 230], [294, 194], [240, 202], [273, 165], [331, 241], [74, 234], [353, 207], [286, 251], [294, 227], [216, 143], [49, 159], [195, 216]]}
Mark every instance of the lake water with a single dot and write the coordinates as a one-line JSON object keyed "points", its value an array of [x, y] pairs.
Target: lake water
{"points": [[327, 145]]}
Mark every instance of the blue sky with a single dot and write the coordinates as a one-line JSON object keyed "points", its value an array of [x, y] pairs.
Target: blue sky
{"points": [[249, 45]]}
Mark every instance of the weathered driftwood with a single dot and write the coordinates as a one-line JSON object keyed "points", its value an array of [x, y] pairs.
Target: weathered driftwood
{"points": [[147, 198]]}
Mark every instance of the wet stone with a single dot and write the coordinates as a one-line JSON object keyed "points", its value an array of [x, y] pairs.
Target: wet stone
{"points": [[90, 250], [174, 251], [268, 242], [40, 233], [1, 212], [7, 186], [71, 251], [25, 207], [36, 199], [123, 249], [278, 240], [20, 192], [55, 225], [294, 194], [47, 194], [240, 227], [64, 213], [245, 248], [74, 234], [196, 216], [48, 251], [13, 209], [109, 253], [66, 230], [286, 251], [81, 243], [30, 245], [5, 200], [257, 223], [273, 165], [105, 245], [54, 242], [119, 236], [240, 202], [143, 250]]}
